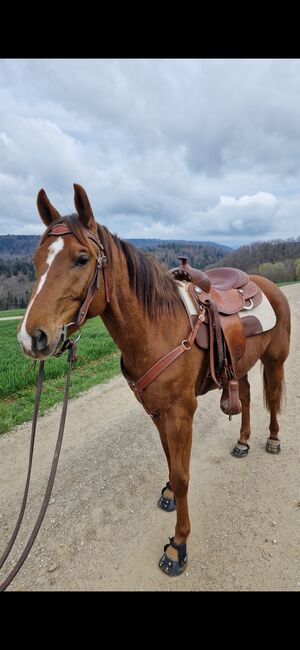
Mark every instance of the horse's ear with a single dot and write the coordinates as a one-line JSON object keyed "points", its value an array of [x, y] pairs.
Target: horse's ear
{"points": [[83, 206], [47, 212]]}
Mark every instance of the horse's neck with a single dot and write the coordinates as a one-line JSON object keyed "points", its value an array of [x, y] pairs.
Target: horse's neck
{"points": [[138, 337]]}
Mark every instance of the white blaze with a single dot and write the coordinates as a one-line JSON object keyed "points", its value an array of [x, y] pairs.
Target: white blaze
{"points": [[53, 250]]}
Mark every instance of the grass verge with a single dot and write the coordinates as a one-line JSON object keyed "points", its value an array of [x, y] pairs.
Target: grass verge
{"points": [[98, 361]]}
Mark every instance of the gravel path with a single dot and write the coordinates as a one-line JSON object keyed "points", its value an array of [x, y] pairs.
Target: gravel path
{"points": [[103, 530]]}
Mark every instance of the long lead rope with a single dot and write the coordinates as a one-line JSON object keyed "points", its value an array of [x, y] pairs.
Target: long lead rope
{"points": [[38, 523], [33, 429]]}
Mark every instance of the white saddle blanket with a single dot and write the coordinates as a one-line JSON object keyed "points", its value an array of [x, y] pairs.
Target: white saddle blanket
{"points": [[263, 312]]}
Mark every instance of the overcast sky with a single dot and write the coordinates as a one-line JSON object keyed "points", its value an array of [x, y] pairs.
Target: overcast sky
{"points": [[183, 149]]}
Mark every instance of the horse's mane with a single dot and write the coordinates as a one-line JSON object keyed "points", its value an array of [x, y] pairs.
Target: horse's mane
{"points": [[156, 291]]}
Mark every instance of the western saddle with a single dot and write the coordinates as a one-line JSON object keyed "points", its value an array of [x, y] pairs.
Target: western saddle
{"points": [[224, 292]]}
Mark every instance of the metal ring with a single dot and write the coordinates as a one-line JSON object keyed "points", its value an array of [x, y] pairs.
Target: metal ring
{"points": [[250, 305], [78, 337], [65, 330], [186, 344]]}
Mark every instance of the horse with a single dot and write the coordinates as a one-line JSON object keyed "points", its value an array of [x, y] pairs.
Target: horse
{"points": [[81, 266]]}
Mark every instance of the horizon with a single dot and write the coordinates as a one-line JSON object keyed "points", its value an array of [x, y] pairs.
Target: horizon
{"points": [[234, 246]]}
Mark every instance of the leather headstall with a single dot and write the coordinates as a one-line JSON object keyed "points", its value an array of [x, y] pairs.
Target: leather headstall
{"points": [[101, 265]]}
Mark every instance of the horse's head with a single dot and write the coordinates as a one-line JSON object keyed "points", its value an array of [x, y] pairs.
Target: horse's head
{"points": [[65, 261]]}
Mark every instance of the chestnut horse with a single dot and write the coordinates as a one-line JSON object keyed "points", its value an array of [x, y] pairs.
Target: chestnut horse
{"points": [[141, 308]]}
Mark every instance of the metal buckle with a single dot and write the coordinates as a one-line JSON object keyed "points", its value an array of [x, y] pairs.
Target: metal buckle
{"points": [[251, 306]]}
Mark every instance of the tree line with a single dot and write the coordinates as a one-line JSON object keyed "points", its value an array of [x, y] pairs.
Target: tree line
{"points": [[278, 260]]}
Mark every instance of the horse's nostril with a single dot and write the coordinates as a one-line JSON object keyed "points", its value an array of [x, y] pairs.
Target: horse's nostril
{"points": [[41, 340]]}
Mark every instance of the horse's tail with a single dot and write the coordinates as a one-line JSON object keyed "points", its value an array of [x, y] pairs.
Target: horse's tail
{"points": [[280, 389]]}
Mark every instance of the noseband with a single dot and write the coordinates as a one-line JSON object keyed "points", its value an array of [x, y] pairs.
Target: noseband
{"points": [[101, 265]]}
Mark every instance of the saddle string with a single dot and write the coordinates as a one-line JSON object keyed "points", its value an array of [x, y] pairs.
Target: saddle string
{"points": [[39, 520]]}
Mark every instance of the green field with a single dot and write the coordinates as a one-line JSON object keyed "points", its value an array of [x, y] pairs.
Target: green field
{"points": [[98, 360], [12, 312]]}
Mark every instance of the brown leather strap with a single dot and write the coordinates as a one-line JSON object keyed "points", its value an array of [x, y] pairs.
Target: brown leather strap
{"points": [[106, 277], [62, 229], [216, 352], [165, 361], [216, 343], [89, 295], [38, 523], [211, 350], [32, 440]]}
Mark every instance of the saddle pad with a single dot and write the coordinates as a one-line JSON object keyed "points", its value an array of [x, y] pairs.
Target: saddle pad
{"points": [[260, 318], [263, 312], [185, 296]]}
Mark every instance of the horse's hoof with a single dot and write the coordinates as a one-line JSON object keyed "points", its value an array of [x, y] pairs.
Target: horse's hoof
{"points": [[172, 567], [240, 452], [168, 505], [273, 446]]}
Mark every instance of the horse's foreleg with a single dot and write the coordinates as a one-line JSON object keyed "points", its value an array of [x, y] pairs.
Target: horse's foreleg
{"points": [[242, 447], [166, 500], [178, 428]]}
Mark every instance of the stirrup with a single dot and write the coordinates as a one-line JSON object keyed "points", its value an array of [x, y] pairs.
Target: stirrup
{"points": [[164, 503], [174, 567]]}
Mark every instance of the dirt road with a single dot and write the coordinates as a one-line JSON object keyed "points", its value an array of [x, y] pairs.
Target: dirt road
{"points": [[103, 530]]}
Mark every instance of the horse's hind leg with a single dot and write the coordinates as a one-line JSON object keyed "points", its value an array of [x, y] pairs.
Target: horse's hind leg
{"points": [[178, 428], [273, 386], [242, 447]]}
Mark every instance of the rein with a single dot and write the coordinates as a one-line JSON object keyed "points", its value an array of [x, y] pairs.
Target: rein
{"points": [[70, 345], [38, 523]]}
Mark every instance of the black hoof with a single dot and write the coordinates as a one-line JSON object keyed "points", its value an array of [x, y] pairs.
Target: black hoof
{"points": [[164, 503], [273, 446], [240, 452], [174, 567]]}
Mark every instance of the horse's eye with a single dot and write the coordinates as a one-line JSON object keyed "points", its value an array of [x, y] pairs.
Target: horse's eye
{"points": [[82, 260]]}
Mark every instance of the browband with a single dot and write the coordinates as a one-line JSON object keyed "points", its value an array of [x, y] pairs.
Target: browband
{"points": [[62, 229]]}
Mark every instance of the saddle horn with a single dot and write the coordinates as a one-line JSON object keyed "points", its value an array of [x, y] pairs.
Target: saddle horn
{"points": [[186, 272]]}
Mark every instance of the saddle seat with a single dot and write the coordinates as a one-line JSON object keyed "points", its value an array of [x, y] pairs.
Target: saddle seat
{"points": [[227, 278]]}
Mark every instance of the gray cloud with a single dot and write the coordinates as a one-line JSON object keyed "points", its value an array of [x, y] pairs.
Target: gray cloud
{"points": [[197, 149]]}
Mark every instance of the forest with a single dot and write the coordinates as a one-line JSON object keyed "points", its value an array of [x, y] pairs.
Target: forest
{"points": [[278, 260]]}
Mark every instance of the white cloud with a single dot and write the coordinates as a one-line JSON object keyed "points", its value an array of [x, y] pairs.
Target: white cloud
{"points": [[165, 148]]}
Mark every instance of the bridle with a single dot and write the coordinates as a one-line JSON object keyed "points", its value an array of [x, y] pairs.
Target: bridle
{"points": [[57, 229], [61, 228]]}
